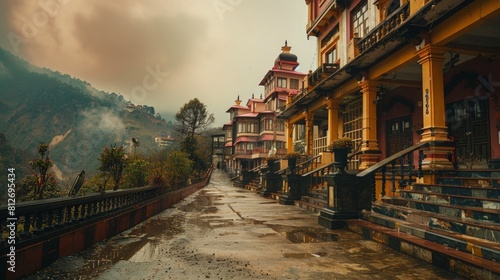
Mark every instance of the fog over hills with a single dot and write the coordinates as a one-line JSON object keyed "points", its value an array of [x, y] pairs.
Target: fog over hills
{"points": [[77, 120]]}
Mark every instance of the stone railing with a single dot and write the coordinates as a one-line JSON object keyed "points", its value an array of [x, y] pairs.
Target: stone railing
{"points": [[39, 217], [385, 28]]}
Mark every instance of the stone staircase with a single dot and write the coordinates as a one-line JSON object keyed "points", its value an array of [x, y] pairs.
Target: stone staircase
{"points": [[454, 224], [314, 201], [254, 184]]}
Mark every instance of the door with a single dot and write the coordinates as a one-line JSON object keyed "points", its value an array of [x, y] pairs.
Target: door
{"points": [[399, 135], [468, 127]]}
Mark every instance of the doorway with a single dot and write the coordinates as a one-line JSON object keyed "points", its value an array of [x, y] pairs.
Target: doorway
{"points": [[399, 135], [468, 127]]}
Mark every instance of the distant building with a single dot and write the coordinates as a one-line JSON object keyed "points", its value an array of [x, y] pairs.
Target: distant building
{"points": [[163, 141], [253, 131]]}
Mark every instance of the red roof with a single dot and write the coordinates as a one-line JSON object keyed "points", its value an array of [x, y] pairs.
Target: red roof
{"points": [[266, 137], [245, 139], [237, 107], [269, 73], [247, 115]]}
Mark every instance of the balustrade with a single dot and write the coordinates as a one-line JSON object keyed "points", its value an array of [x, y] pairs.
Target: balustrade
{"points": [[402, 161], [385, 28], [35, 218]]}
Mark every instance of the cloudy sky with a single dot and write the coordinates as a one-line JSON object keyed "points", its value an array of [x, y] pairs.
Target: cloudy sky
{"points": [[160, 52]]}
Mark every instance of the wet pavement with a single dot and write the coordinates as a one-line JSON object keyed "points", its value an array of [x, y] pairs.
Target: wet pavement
{"points": [[223, 232]]}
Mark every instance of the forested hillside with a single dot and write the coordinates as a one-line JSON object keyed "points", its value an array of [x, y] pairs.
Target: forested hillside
{"points": [[77, 120]]}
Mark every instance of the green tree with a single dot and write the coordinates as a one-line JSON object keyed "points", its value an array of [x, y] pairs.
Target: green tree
{"points": [[113, 162], [192, 117], [96, 184], [157, 168], [136, 173], [179, 168], [41, 183]]}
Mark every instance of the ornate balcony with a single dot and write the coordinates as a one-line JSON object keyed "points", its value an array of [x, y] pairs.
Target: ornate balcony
{"points": [[322, 73], [332, 10], [385, 28]]}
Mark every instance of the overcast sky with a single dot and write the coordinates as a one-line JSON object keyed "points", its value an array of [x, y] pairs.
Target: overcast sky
{"points": [[160, 52]]}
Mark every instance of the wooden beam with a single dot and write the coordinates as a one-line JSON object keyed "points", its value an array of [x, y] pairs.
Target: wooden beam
{"points": [[402, 83], [473, 50], [464, 20]]}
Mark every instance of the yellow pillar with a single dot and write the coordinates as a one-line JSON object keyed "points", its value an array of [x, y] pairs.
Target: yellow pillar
{"points": [[289, 136], [309, 133], [433, 106], [333, 119], [370, 151]]}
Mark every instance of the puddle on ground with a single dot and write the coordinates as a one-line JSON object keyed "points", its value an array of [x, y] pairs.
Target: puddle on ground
{"points": [[305, 255], [147, 253], [140, 244], [201, 201], [305, 234]]}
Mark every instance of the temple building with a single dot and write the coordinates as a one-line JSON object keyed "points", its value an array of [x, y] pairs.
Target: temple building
{"points": [[253, 132]]}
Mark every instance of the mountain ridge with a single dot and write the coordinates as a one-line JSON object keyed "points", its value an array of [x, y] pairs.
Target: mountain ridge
{"points": [[41, 105]]}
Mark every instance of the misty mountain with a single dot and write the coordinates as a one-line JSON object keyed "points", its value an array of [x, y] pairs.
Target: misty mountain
{"points": [[40, 105]]}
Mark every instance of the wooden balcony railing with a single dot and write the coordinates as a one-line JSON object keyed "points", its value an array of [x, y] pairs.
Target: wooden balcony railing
{"points": [[322, 73], [385, 28]]}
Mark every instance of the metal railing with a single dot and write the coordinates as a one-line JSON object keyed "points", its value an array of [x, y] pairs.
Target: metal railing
{"points": [[398, 167]]}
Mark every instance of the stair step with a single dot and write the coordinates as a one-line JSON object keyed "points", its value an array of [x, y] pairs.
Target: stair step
{"points": [[316, 201], [477, 213], [475, 191], [482, 181], [452, 199], [474, 228], [276, 195], [462, 263], [475, 246], [320, 194], [309, 206]]}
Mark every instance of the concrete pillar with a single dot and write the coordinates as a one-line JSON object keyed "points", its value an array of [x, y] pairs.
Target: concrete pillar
{"points": [[289, 136], [433, 106], [309, 133], [333, 119], [370, 151]]}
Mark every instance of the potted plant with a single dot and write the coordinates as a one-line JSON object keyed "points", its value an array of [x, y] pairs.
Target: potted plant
{"points": [[292, 159], [340, 148]]}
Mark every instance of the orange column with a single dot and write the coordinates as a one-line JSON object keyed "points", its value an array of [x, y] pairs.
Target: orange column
{"points": [[370, 151], [433, 106], [309, 133], [333, 119], [289, 136]]}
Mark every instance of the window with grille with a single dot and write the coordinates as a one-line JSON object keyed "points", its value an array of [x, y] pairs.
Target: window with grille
{"points": [[360, 20], [353, 126]]}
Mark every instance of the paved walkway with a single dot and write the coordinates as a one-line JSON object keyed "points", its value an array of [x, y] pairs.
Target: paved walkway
{"points": [[223, 232]]}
